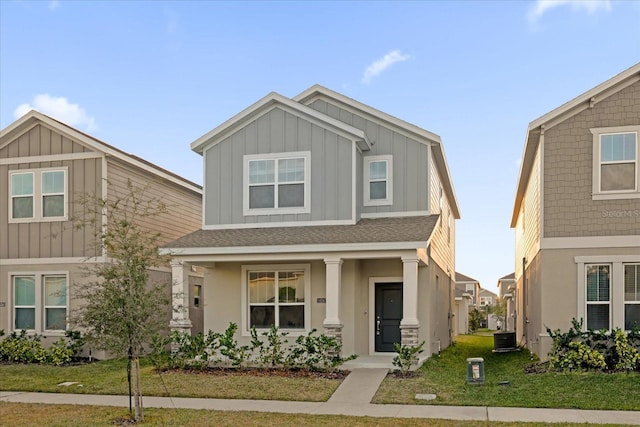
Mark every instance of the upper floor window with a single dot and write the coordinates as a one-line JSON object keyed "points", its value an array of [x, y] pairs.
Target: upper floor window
{"points": [[40, 302], [38, 195], [276, 183], [616, 161], [378, 173]]}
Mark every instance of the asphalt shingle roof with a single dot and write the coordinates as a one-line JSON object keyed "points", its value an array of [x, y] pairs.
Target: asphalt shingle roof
{"points": [[374, 230]]}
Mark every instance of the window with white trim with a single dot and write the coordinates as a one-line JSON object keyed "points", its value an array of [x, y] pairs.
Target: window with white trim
{"points": [[378, 185], [631, 296], [40, 302], [38, 195], [276, 295], [615, 164], [598, 296], [276, 183]]}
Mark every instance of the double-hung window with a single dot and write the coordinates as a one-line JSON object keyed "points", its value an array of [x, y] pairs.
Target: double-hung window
{"points": [[276, 183], [40, 302], [615, 165], [276, 296], [631, 296], [378, 187], [38, 195], [598, 296]]}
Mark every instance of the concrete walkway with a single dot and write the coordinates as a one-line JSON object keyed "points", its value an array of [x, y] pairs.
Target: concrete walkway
{"points": [[352, 397]]}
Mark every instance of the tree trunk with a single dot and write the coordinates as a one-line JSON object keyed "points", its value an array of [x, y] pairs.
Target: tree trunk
{"points": [[137, 393]]}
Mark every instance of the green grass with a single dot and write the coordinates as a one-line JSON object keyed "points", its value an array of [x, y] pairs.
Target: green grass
{"points": [[445, 376], [110, 377], [31, 415]]}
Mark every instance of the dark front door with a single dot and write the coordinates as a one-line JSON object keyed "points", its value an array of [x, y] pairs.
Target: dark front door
{"points": [[388, 315]]}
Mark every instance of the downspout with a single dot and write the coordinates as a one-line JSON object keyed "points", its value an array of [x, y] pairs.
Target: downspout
{"points": [[525, 320]]}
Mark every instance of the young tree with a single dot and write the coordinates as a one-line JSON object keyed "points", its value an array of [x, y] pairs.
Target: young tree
{"points": [[121, 309]]}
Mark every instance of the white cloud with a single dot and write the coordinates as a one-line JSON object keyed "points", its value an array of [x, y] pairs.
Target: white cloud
{"points": [[590, 6], [58, 108], [54, 4], [382, 64]]}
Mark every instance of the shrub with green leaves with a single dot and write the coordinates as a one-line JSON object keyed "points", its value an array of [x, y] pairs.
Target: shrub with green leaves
{"points": [[24, 348], [407, 356]]}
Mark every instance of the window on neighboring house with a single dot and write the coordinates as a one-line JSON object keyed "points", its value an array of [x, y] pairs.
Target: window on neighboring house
{"points": [[40, 302], [378, 173], [277, 183], [598, 296], [486, 301], [38, 195], [616, 162], [631, 296], [277, 296]]}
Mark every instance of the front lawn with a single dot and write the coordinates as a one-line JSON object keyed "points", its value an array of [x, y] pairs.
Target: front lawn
{"points": [[110, 377], [445, 376]]}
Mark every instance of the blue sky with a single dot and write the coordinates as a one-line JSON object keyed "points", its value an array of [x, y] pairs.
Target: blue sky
{"points": [[151, 77]]}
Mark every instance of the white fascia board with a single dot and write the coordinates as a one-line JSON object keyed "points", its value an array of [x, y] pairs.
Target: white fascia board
{"points": [[317, 91], [268, 102], [324, 248], [98, 146]]}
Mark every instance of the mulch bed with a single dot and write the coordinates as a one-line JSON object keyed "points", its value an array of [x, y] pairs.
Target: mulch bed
{"points": [[261, 372]]}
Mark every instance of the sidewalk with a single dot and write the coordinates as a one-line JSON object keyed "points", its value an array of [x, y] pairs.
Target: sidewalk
{"points": [[351, 398]]}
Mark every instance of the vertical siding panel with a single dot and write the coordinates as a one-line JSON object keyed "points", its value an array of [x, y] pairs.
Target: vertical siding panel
{"points": [[345, 116], [318, 188], [333, 111], [33, 244], [411, 175], [4, 211], [251, 138], [225, 169], [66, 146], [45, 140], [331, 164], [23, 145], [290, 132], [56, 144], [304, 135], [23, 240], [276, 130], [344, 163], [234, 181], [211, 187], [263, 135], [398, 147]]}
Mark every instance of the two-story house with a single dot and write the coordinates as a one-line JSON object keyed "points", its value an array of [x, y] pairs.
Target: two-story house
{"points": [[507, 293], [577, 215], [323, 213], [471, 287], [45, 168]]}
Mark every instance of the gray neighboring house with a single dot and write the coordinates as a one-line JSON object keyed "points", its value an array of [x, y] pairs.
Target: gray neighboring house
{"points": [[323, 213], [45, 167], [507, 292], [463, 302], [471, 286], [577, 215]]}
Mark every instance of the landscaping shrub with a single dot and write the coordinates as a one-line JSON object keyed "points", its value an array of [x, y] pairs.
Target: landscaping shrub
{"points": [[406, 357], [24, 348], [614, 350], [308, 352]]}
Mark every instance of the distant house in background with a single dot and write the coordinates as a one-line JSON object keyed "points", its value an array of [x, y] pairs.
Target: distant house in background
{"points": [[471, 286], [463, 301], [324, 213], [487, 298], [45, 166], [577, 215], [506, 292]]}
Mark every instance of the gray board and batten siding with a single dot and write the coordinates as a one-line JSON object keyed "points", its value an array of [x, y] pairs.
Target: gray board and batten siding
{"points": [[410, 160], [279, 131]]}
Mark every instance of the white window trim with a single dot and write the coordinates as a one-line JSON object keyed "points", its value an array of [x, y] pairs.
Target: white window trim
{"points": [[597, 194], [38, 195], [616, 283], [39, 302], [246, 269], [306, 155], [367, 201]]}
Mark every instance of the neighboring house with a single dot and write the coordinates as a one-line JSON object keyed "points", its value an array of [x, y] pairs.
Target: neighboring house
{"points": [[487, 298], [324, 213], [507, 293], [471, 286], [463, 301], [45, 166], [577, 215]]}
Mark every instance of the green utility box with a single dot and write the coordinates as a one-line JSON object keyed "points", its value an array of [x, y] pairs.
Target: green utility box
{"points": [[475, 370]]}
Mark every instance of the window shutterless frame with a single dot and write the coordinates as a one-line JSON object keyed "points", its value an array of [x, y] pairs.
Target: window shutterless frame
{"points": [[616, 158], [378, 180], [38, 195]]}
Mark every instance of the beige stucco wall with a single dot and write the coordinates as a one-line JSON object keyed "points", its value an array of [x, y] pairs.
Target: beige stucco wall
{"points": [[569, 210]]}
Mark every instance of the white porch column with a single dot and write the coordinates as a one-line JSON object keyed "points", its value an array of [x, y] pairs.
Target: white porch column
{"points": [[409, 324], [333, 288], [180, 297]]}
